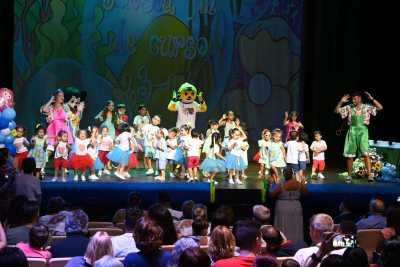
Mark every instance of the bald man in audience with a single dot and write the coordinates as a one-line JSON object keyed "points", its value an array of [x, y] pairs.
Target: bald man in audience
{"points": [[376, 218]]}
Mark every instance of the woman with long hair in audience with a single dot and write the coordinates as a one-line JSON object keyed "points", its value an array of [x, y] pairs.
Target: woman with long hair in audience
{"points": [[99, 246], [222, 244], [163, 218]]}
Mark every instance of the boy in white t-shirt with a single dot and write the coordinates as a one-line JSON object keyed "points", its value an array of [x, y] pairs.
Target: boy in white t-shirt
{"points": [[193, 155], [149, 134], [172, 144], [293, 149], [318, 147]]}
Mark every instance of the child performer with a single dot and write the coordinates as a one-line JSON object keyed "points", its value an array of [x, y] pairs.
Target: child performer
{"points": [[213, 128], [263, 144], [93, 151], [121, 115], [304, 156], [245, 147], [21, 145], [318, 147], [181, 151], [234, 160], [135, 147], [172, 144], [149, 132], [61, 151], [214, 162], [228, 121], [38, 152], [276, 155], [81, 161], [121, 152], [293, 149], [193, 155], [140, 120], [105, 145], [292, 123], [160, 145]]}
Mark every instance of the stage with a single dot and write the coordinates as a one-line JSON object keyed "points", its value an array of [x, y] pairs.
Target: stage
{"points": [[103, 197]]}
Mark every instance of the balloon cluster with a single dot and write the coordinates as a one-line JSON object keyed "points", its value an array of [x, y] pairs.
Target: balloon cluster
{"points": [[7, 123]]}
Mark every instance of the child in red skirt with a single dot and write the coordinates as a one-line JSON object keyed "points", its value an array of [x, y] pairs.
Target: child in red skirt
{"points": [[105, 146], [21, 145], [81, 161], [61, 150]]}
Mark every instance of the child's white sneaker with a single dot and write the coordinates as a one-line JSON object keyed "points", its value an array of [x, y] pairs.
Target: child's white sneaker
{"points": [[107, 172], [321, 176], [83, 178], [244, 176], [231, 181], [196, 178], [237, 181], [127, 175], [76, 178], [156, 173], [54, 179], [119, 175], [100, 173], [171, 175], [63, 179], [313, 175], [348, 179], [159, 178], [93, 177], [149, 172], [190, 179]]}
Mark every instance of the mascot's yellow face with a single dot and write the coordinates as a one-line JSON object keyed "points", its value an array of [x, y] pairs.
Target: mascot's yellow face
{"points": [[187, 95]]}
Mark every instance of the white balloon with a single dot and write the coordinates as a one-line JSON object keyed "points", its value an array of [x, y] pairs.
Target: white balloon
{"points": [[5, 131]]}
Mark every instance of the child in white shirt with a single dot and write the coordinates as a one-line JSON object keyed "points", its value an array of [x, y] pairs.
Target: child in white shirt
{"points": [[172, 144], [193, 155], [318, 147], [149, 134]]}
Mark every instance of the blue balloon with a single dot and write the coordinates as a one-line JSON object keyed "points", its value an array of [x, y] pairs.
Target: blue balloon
{"points": [[11, 149], [9, 114], [9, 139], [4, 123], [12, 125], [2, 137]]}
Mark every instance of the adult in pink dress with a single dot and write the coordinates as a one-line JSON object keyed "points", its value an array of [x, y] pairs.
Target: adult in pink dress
{"points": [[56, 118]]}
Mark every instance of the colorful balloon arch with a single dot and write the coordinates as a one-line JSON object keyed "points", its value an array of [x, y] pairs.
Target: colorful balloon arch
{"points": [[7, 123]]}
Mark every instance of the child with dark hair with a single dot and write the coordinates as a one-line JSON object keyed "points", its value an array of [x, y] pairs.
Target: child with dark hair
{"points": [[193, 155], [36, 248], [160, 146], [38, 152], [214, 162], [61, 151], [318, 147], [172, 144], [293, 150], [292, 123], [304, 156], [13, 257], [194, 257], [21, 145]]}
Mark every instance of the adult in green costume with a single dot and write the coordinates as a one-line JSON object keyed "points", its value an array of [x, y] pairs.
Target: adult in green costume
{"points": [[358, 117]]}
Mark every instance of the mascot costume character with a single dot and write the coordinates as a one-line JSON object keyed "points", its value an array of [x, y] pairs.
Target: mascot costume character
{"points": [[184, 102]]}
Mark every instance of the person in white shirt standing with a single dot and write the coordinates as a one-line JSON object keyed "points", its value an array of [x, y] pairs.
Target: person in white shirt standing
{"points": [[149, 133], [293, 149], [318, 147], [193, 155], [304, 157]]}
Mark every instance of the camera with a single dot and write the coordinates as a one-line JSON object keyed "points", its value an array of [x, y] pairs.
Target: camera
{"points": [[344, 241]]}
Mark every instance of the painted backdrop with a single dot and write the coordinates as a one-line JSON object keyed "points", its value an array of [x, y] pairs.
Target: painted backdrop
{"points": [[244, 54]]}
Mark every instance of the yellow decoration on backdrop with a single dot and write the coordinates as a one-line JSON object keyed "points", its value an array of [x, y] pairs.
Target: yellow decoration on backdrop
{"points": [[14, 133]]}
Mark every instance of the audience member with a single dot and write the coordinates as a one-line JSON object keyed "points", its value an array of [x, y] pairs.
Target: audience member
{"points": [[76, 241], [108, 261], [200, 212], [15, 216], [30, 213], [390, 256], [376, 218], [125, 243], [26, 183], [265, 261], [319, 225], [332, 261], [248, 239], [348, 227], [194, 257], [222, 243], [199, 238], [355, 257], [288, 210], [392, 228], [273, 241], [99, 246], [261, 214], [149, 239], [163, 218], [164, 199], [53, 220], [184, 226], [346, 212], [224, 215], [134, 201], [12, 257], [38, 238], [7, 179], [290, 263]]}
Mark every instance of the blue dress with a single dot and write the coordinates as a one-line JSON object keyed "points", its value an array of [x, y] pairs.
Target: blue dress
{"points": [[211, 164], [234, 159]]}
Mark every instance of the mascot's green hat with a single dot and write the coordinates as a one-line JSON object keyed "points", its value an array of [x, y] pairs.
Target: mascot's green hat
{"points": [[186, 87]]}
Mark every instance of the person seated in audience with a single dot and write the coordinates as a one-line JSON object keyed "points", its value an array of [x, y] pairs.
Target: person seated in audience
{"points": [[125, 243], [53, 220], [15, 216], [261, 215], [163, 218], [38, 238], [392, 223], [13, 257], [7, 178], [355, 257], [222, 243], [390, 256], [265, 261], [164, 199], [76, 241], [20, 233], [290, 263], [376, 218], [134, 201], [346, 212], [224, 215], [248, 239], [99, 246], [199, 238], [319, 225], [273, 241], [348, 227], [332, 261], [184, 226], [200, 212], [108, 261], [26, 183], [149, 239], [194, 257]]}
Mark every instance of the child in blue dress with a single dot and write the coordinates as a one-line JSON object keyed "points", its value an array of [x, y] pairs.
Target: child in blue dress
{"points": [[160, 145], [93, 151], [234, 159], [181, 150], [39, 151], [214, 162]]}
